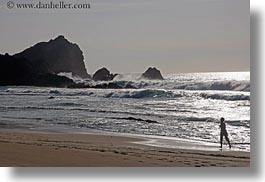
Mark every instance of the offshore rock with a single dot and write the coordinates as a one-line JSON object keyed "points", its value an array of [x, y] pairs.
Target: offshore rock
{"points": [[56, 56], [152, 74], [103, 74]]}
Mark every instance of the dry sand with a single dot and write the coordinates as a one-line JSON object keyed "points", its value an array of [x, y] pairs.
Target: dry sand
{"points": [[23, 148]]}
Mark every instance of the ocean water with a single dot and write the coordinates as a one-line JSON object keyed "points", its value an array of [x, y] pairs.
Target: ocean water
{"points": [[183, 106]]}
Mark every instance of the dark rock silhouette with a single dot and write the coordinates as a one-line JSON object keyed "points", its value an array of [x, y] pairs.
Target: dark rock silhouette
{"points": [[51, 80], [55, 56], [103, 74], [113, 86], [40, 64], [108, 86], [152, 74], [102, 86], [20, 71]]}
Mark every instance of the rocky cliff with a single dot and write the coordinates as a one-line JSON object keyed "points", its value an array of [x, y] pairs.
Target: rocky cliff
{"points": [[57, 55]]}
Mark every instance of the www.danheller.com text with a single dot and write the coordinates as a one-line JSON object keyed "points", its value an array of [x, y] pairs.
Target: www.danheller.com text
{"points": [[48, 5]]}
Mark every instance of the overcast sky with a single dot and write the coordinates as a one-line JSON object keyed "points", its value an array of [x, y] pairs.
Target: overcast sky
{"points": [[131, 35]]}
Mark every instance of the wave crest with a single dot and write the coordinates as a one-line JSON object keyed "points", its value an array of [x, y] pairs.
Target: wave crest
{"points": [[225, 97], [221, 85], [148, 93], [174, 85]]}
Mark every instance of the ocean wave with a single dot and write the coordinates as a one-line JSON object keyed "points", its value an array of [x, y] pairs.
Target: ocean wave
{"points": [[86, 109], [47, 91], [147, 93], [197, 119], [195, 85], [219, 85], [225, 97], [54, 92], [244, 123], [25, 91], [173, 94], [136, 119], [68, 104]]}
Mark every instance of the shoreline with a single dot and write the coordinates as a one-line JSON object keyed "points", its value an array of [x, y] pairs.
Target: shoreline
{"points": [[54, 149], [146, 140]]}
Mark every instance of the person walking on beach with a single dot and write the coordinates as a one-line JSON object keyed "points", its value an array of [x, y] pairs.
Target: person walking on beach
{"points": [[224, 133]]}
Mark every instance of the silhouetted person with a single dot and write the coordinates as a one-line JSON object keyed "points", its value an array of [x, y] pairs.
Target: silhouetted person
{"points": [[223, 133]]}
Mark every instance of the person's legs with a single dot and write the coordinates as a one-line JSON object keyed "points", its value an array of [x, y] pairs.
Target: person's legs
{"points": [[221, 141], [227, 139]]}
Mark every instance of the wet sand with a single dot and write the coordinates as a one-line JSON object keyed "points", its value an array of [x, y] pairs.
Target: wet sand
{"points": [[47, 149]]}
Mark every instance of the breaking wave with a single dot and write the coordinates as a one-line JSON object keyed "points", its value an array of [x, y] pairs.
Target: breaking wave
{"points": [[244, 123], [230, 85], [225, 97], [148, 93], [221, 85], [132, 93]]}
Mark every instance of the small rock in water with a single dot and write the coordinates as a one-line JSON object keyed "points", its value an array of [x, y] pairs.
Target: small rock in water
{"points": [[103, 74], [152, 74]]}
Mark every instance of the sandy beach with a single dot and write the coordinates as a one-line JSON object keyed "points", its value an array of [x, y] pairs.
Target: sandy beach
{"points": [[27, 148]]}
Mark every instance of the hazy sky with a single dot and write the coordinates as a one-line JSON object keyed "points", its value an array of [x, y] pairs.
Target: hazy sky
{"points": [[131, 35]]}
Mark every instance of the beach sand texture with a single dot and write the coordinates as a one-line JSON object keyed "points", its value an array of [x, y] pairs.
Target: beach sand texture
{"points": [[45, 149]]}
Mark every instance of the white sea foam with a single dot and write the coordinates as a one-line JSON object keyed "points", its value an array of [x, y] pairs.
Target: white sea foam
{"points": [[166, 84]]}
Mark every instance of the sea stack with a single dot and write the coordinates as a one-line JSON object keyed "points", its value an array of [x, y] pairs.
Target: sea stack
{"points": [[56, 56], [152, 74], [40, 64], [103, 74]]}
